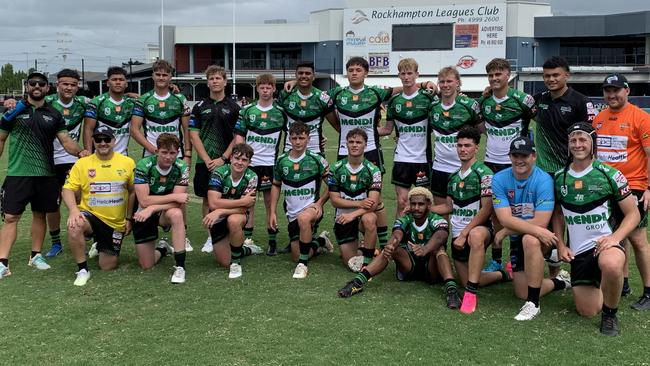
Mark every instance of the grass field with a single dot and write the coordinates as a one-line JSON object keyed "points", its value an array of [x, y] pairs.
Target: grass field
{"points": [[131, 316]]}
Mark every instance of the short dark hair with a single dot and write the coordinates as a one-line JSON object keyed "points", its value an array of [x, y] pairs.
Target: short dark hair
{"points": [[168, 141], [115, 70], [308, 64], [298, 128], [358, 61], [357, 132], [470, 132], [243, 149], [555, 62], [498, 64], [68, 73]]}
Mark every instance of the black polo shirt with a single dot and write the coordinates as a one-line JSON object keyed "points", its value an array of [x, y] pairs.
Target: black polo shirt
{"points": [[215, 121], [554, 117]]}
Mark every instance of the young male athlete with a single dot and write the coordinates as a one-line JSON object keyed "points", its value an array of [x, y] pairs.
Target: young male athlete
{"points": [[211, 127], [33, 126], [354, 190], [469, 201], [104, 182], [447, 116], [418, 247], [260, 125], [506, 114], [624, 143], [231, 196], [586, 191], [161, 111], [298, 174], [523, 200], [407, 113], [113, 109], [161, 182]]}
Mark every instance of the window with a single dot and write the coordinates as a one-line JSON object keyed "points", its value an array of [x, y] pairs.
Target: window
{"points": [[423, 37]]}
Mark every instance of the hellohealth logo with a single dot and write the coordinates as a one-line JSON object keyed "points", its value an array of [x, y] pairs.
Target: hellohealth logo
{"points": [[351, 39], [380, 38], [359, 17]]}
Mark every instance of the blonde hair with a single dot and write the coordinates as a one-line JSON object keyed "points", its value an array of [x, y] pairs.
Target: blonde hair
{"points": [[407, 64], [421, 191], [265, 79], [449, 70]]}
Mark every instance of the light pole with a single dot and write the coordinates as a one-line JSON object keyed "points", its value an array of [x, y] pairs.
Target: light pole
{"points": [[234, 59]]}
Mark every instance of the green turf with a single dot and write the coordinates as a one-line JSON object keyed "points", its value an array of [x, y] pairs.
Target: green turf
{"points": [[131, 316]]}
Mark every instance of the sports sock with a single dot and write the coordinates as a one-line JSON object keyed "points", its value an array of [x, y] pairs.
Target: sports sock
{"points": [[368, 254], [320, 241], [646, 290], [235, 254], [179, 257], [497, 253], [34, 253], [272, 237], [626, 282], [304, 252], [533, 295], [450, 284], [364, 276], [472, 287], [55, 236], [248, 232], [245, 251], [607, 311], [382, 236], [558, 284], [504, 276], [163, 251], [83, 265], [4, 261]]}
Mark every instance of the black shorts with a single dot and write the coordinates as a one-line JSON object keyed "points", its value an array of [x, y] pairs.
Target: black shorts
{"points": [[419, 268], [61, 172], [517, 254], [462, 255], [201, 179], [374, 156], [264, 177], [144, 232], [41, 192], [294, 229], [346, 233], [495, 167], [585, 270], [439, 181], [108, 240], [220, 230], [618, 214], [411, 174]]}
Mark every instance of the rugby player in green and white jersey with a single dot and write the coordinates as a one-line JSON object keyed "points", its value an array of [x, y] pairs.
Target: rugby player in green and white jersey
{"points": [[113, 109], [408, 114], [298, 174], [469, 201], [355, 191], [260, 125], [306, 104], [506, 114], [447, 116], [418, 247], [161, 182], [231, 196], [586, 192]]}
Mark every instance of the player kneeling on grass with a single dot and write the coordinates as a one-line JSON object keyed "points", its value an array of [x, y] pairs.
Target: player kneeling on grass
{"points": [[418, 247], [298, 173], [469, 201], [354, 189], [161, 190], [586, 191], [232, 193], [104, 183]]}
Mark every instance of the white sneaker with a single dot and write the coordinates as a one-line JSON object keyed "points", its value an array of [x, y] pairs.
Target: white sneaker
{"points": [[38, 262], [207, 247], [93, 252], [163, 243], [328, 243], [301, 271], [82, 277], [250, 244], [565, 277], [188, 245], [528, 312], [4, 271], [179, 275], [235, 271], [355, 263]]}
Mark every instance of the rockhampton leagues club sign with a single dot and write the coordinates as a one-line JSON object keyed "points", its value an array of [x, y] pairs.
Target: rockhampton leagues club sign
{"points": [[466, 36]]}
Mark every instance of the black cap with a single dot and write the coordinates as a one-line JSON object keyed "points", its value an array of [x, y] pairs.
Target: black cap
{"points": [[37, 74], [615, 80], [104, 130], [522, 145]]}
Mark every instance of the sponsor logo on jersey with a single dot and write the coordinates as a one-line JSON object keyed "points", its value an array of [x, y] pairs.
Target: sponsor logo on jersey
{"points": [[92, 173], [398, 108], [511, 194], [488, 109], [411, 129], [503, 131], [466, 62], [299, 192], [285, 170], [356, 121], [585, 219], [151, 108], [564, 190]]}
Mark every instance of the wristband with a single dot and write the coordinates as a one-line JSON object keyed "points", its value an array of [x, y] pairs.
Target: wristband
{"points": [[225, 159]]}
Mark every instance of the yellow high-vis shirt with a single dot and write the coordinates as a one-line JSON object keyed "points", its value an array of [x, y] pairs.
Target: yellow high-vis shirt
{"points": [[104, 187]]}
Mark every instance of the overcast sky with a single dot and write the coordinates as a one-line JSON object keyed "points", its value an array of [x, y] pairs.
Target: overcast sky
{"points": [[112, 31]]}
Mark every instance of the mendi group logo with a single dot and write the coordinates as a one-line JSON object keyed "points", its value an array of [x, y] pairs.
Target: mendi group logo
{"points": [[359, 17], [351, 39]]}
